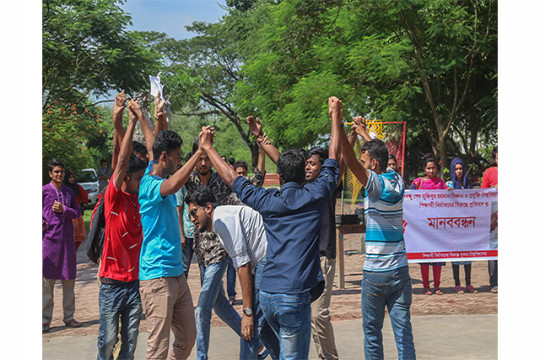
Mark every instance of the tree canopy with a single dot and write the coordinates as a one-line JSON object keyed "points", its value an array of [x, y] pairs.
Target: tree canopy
{"points": [[430, 63], [87, 52]]}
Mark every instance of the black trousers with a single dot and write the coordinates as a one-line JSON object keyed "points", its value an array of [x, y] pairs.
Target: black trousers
{"points": [[455, 270], [493, 269]]}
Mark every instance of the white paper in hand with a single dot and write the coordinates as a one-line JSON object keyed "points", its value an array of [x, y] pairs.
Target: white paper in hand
{"points": [[155, 86]]}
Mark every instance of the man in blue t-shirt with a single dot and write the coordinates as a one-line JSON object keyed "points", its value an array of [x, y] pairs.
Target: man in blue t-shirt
{"points": [[164, 290], [291, 218], [386, 281]]}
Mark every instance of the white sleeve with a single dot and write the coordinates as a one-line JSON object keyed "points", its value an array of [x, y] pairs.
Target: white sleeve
{"points": [[234, 241]]}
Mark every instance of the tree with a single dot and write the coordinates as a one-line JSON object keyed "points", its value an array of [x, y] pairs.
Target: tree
{"points": [[88, 51], [432, 63], [68, 133], [200, 73]]}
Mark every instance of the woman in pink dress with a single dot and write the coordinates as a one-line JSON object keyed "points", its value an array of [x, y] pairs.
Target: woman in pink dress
{"points": [[430, 182]]}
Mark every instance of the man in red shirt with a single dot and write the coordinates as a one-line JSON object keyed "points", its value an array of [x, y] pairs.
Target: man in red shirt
{"points": [[119, 299], [491, 179]]}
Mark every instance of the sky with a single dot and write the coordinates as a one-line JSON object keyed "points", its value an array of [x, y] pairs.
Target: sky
{"points": [[172, 16]]}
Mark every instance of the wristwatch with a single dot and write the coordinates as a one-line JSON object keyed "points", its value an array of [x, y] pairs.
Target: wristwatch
{"points": [[248, 311]]}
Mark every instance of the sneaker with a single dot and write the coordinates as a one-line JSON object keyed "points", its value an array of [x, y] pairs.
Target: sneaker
{"points": [[470, 289], [459, 290]]}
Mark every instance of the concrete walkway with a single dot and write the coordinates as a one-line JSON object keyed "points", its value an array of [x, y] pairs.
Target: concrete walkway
{"points": [[435, 337]]}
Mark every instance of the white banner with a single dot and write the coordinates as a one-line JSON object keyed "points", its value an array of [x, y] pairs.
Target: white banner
{"points": [[450, 225]]}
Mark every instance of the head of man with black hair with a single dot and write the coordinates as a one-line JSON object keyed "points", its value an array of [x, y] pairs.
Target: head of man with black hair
{"points": [[240, 168], [315, 159], [392, 162], [134, 174], [201, 208], [140, 151], [374, 156], [291, 166], [57, 171], [495, 155], [204, 165], [166, 150]]}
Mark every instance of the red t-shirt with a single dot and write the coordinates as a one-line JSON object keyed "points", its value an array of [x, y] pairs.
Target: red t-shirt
{"points": [[491, 177], [123, 235]]}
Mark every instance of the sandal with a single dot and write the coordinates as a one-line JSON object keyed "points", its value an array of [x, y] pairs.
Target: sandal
{"points": [[470, 289], [73, 323], [231, 301], [438, 292], [427, 291], [459, 290], [46, 327], [495, 289]]}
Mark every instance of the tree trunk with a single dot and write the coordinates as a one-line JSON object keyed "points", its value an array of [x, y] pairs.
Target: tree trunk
{"points": [[227, 110], [254, 148], [443, 152]]}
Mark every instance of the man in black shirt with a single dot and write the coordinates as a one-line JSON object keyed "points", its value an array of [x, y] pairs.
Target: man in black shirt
{"points": [[321, 327]]}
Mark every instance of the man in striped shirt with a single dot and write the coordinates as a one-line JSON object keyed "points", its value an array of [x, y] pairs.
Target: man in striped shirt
{"points": [[386, 281]]}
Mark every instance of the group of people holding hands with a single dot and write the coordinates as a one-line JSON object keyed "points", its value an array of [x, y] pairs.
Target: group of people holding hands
{"points": [[159, 211]]}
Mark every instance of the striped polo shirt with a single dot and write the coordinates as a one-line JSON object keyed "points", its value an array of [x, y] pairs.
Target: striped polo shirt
{"points": [[383, 208]]}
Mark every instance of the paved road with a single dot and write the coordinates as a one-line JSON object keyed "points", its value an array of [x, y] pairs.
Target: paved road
{"points": [[435, 337]]}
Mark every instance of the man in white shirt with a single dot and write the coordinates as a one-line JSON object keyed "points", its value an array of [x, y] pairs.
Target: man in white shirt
{"points": [[241, 231]]}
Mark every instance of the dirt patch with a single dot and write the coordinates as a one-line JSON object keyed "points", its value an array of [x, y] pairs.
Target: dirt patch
{"points": [[345, 302]]}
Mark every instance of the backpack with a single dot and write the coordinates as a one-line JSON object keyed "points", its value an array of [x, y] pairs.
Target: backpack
{"points": [[96, 232]]}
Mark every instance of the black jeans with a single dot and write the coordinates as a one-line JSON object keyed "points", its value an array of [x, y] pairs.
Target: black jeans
{"points": [[493, 269]]}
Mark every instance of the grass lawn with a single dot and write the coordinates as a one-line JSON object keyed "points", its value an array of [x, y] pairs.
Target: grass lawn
{"points": [[86, 217]]}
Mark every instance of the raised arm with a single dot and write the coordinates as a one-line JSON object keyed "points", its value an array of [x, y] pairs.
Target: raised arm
{"points": [[255, 127], [179, 178], [335, 110], [126, 147], [347, 152], [159, 115], [147, 132], [342, 165], [206, 141], [262, 159], [361, 128], [119, 131]]}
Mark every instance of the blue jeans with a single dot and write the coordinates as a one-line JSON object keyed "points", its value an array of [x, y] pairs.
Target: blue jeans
{"points": [[289, 315], [263, 329], [231, 280], [187, 255], [211, 296], [118, 302], [392, 289]]}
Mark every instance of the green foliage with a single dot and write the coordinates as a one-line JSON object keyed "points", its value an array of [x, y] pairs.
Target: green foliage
{"points": [[87, 52], [67, 132], [430, 63], [87, 49]]}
